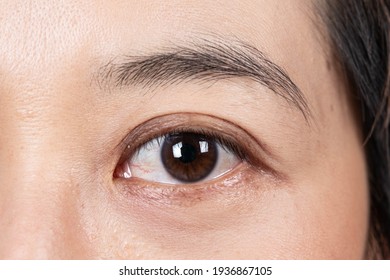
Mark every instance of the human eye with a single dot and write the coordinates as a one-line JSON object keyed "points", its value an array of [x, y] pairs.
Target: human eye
{"points": [[183, 156], [184, 150]]}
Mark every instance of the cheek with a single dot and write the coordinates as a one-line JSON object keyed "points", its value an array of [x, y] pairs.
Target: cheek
{"points": [[312, 221], [333, 225], [331, 210]]}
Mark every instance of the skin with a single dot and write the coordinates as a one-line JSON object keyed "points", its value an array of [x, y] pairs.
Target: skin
{"points": [[61, 138]]}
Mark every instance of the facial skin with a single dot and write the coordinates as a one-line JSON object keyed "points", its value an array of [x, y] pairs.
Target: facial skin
{"points": [[66, 131]]}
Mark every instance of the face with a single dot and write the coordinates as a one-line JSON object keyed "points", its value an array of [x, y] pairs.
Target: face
{"points": [[176, 130]]}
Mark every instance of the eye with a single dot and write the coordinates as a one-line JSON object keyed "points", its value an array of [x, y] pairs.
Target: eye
{"points": [[181, 157]]}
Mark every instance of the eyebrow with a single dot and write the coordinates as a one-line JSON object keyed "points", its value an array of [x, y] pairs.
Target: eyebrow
{"points": [[209, 60]]}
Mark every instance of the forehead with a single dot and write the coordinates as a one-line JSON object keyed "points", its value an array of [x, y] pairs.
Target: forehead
{"points": [[43, 31]]}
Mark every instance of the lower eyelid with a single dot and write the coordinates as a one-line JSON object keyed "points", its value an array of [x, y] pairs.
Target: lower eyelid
{"points": [[158, 194]]}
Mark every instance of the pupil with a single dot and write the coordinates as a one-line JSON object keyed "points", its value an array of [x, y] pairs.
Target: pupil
{"points": [[189, 157], [188, 153]]}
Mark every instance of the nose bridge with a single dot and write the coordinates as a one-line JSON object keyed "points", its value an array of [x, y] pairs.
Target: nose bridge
{"points": [[40, 205], [39, 208]]}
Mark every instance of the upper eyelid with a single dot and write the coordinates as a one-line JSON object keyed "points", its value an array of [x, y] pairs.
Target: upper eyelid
{"points": [[176, 119]]}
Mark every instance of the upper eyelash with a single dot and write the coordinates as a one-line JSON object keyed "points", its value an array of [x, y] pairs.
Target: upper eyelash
{"points": [[227, 144]]}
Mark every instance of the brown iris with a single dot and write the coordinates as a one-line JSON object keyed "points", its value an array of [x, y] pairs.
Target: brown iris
{"points": [[189, 157]]}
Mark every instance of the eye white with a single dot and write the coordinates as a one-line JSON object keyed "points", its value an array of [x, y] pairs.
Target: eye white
{"points": [[146, 163]]}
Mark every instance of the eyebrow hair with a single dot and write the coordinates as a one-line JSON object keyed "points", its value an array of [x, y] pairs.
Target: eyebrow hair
{"points": [[209, 60]]}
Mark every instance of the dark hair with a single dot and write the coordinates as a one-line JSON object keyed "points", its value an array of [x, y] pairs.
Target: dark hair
{"points": [[359, 34]]}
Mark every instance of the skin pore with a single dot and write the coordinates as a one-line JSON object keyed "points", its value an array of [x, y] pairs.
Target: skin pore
{"points": [[68, 129]]}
